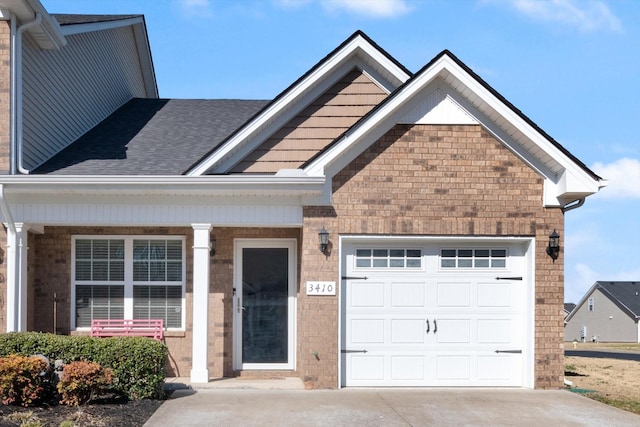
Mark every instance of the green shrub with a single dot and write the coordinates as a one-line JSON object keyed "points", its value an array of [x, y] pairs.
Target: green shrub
{"points": [[83, 381], [137, 363], [20, 379]]}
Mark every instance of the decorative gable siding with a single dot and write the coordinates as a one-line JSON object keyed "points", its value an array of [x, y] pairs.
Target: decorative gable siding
{"points": [[69, 91], [326, 118], [437, 180]]}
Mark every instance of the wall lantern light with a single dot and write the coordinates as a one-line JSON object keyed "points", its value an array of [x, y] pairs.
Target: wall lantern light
{"points": [[553, 250], [323, 237], [212, 247]]}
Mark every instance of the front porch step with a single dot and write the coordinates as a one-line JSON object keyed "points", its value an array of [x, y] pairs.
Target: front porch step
{"points": [[282, 383], [266, 375]]}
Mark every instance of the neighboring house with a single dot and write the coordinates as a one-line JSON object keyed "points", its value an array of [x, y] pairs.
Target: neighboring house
{"points": [[608, 312], [568, 308], [437, 194]]}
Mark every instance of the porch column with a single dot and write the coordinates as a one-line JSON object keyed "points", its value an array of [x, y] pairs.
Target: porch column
{"points": [[17, 246], [201, 260]]}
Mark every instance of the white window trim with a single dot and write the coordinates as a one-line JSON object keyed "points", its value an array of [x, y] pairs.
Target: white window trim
{"points": [[128, 273], [372, 268], [591, 304], [472, 258]]}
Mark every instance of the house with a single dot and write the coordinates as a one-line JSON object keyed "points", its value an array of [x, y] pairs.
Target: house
{"points": [[369, 226], [568, 308], [608, 312]]}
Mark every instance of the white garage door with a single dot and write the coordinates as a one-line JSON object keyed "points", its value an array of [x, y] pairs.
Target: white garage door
{"points": [[433, 315]]}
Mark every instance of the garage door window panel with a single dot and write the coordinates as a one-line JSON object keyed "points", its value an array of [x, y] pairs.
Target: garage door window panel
{"points": [[480, 258], [367, 258]]}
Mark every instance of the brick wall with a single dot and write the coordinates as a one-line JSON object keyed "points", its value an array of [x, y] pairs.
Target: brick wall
{"points": [[51, 273], [433, 180], [5, 100]]}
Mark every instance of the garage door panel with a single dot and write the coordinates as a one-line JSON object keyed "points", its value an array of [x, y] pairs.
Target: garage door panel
{"points": [[366, 295], [495, 331], [450, 331], [494, 367], [408, 368], [367, 331], [366, 368], [407, 295], [454, 294], [453, 367], [495, 295], [408, 331]]}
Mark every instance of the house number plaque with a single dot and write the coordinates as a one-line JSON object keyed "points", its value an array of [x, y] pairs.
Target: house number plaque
{"points": [[321, 288]]}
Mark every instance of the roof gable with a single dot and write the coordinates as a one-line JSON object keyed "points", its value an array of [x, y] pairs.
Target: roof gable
{"points": [[445, 86], [625, 295], [358, 51], [315, 127]]}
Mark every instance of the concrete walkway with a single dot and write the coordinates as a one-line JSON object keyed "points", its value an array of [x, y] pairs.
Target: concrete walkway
{"points": [[239, 403]]}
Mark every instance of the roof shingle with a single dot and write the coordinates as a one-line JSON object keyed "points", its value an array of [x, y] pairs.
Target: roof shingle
{"points": [[152, 137]]}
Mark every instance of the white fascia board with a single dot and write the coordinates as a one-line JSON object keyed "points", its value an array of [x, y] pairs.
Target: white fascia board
{"points": [[212, 186], [71, 29], [46, 34], [572, 181], [309, 88], [559, 190]]}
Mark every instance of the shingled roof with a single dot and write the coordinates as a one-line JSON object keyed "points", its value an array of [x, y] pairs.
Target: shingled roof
{"points": [[152, 137], [625, 295]]}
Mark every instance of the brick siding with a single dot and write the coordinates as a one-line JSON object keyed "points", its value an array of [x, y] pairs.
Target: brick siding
{"points": [[5, 98], [434, 180], [416, 180]]}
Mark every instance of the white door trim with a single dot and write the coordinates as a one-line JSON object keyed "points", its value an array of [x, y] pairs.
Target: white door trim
{"points": [[239, 245]]}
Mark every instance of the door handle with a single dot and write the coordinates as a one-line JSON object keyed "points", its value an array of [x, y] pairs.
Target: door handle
{"points": [[435, 326], [428, 327]]}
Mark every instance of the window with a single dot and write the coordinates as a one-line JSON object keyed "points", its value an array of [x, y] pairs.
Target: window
{"points": [[590, 304], [129, 277], [388, 258], [473, 258]]}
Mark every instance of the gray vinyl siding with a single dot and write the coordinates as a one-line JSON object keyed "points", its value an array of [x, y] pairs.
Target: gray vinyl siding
{"points": [[68, 91], [607, 322]]}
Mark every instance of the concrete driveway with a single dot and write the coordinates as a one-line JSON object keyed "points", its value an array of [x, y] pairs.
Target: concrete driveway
{"points": [[386, 407]]}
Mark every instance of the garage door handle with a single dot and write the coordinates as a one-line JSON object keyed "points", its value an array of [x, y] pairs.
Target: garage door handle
{"points": [[435, 326], [509, 278], [353, 351], [428, 327]]}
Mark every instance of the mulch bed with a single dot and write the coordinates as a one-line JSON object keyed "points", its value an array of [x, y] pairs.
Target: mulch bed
{"points": [[97, 413]]}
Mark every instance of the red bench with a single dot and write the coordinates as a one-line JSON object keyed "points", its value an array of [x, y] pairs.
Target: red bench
{"points": [[152, 328]]}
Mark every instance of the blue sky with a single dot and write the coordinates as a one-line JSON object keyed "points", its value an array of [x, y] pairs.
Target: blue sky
{"points": [[572, 66]]}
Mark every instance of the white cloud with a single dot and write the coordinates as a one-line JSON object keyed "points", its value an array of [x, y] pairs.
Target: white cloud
{"points": [[372, 8], [368, 8], [200, 8], [623, 176], [585, 15]]}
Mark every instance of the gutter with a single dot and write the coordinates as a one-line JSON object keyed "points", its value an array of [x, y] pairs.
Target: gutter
{"points": [[16, 92], [573, 205]]}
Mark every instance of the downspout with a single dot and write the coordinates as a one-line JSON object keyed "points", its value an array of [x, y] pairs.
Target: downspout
{"points": [[576, 204], [12, 302], [16, 92]]}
